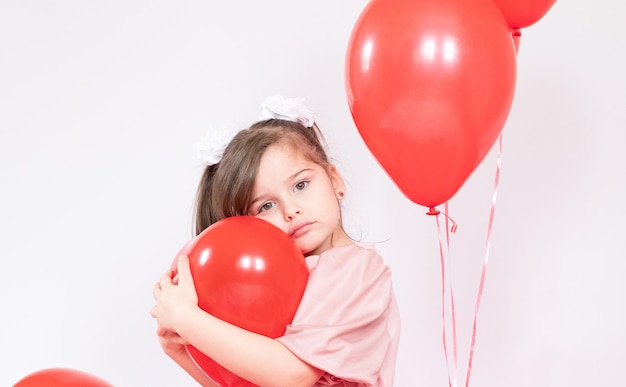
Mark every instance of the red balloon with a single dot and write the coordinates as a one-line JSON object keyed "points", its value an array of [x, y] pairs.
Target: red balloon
{"points": [[430, 84], [523, 13], [249, 273], [61, 377]]}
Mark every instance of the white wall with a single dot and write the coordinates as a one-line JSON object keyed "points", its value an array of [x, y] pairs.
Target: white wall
{"points": [[101, 102]]}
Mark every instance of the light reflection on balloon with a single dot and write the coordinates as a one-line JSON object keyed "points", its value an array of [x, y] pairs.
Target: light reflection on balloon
{"points": [[254, 263], [367, 55]]}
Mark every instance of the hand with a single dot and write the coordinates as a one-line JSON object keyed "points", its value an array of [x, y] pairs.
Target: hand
{"points": [[175, 298], [173, 345]]}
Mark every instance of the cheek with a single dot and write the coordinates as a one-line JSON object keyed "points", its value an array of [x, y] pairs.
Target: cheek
{"points": [[334, 208]]}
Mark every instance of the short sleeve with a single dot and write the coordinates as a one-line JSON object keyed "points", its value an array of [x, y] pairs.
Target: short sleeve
{"points": [[341, 325]]}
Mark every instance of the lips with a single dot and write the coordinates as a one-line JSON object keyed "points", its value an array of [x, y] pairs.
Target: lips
{"points": [[300, 229]]}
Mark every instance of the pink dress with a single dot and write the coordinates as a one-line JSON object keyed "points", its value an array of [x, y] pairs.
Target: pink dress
{"points": [[347, 323]]}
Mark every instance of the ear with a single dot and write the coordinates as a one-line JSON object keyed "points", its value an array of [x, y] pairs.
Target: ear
{"points": [[337, 181]]}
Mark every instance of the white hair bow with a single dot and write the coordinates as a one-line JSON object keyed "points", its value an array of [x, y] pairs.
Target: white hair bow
{"points": [[211, 146], [290, 109]]}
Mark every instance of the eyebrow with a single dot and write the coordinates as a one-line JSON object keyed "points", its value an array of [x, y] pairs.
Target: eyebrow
{"points": [[292, 177]]}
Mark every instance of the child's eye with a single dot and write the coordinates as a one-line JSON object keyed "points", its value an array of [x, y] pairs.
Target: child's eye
{"points": [[266, 206], [301, 185]]}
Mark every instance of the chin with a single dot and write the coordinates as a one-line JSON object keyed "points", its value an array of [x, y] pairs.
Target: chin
{"points": [[310, 247], [307, 250]]}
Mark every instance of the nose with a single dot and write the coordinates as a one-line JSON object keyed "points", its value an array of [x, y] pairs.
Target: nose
{"points": [[291, 209]]}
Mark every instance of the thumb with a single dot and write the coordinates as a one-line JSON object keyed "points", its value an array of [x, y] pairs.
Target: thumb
{"points": [[184, 271]]}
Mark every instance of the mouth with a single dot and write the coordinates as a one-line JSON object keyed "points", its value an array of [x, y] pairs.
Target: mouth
{"points": [[300, 229]]}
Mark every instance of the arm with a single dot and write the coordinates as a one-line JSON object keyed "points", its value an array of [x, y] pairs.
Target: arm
{"points": [[257, 358], [173, 347], [260, 359]]}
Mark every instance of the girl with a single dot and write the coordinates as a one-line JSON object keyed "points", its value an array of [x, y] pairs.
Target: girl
{"points": [[346, 329]]}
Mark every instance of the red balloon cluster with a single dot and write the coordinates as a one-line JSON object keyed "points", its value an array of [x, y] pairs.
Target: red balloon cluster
{"points": [[249, 273], [61, 377], [430, 84]]}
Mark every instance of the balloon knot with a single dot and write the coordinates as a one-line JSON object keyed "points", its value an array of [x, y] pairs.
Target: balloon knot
{"points": [[433, 211]]}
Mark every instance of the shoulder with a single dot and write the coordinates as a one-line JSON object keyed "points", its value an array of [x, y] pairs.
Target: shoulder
{"points": [[357, 253], [353, 258], [359, 264], [352, 279]]}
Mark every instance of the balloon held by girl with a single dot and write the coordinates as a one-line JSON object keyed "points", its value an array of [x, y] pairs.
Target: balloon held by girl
{"points": [[346, 329]]}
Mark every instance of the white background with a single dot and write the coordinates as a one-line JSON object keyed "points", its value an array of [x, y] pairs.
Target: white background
{"points": [[101, 103]]}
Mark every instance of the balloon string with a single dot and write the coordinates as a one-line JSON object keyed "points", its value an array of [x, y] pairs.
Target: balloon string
{"points": [[452, 307], [484, 268], [451, 366], [452, 373]]}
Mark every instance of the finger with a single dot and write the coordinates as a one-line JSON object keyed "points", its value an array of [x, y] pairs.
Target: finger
{"points": [[184, 271], [175, 279], [166, 279], [154, 312], [156, 290], [161, 332], [175, 338]]}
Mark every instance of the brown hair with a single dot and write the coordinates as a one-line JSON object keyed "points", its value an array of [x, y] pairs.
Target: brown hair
{"points": [[225, 188]]}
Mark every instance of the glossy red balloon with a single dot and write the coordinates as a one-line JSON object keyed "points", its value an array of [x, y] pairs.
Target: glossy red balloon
{"points": [[61, 377], [247, 272], [430, 84], [523, 13]]}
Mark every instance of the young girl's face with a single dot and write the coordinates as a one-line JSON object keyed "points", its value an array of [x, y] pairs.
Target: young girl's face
{"points": [[301, 198]]}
